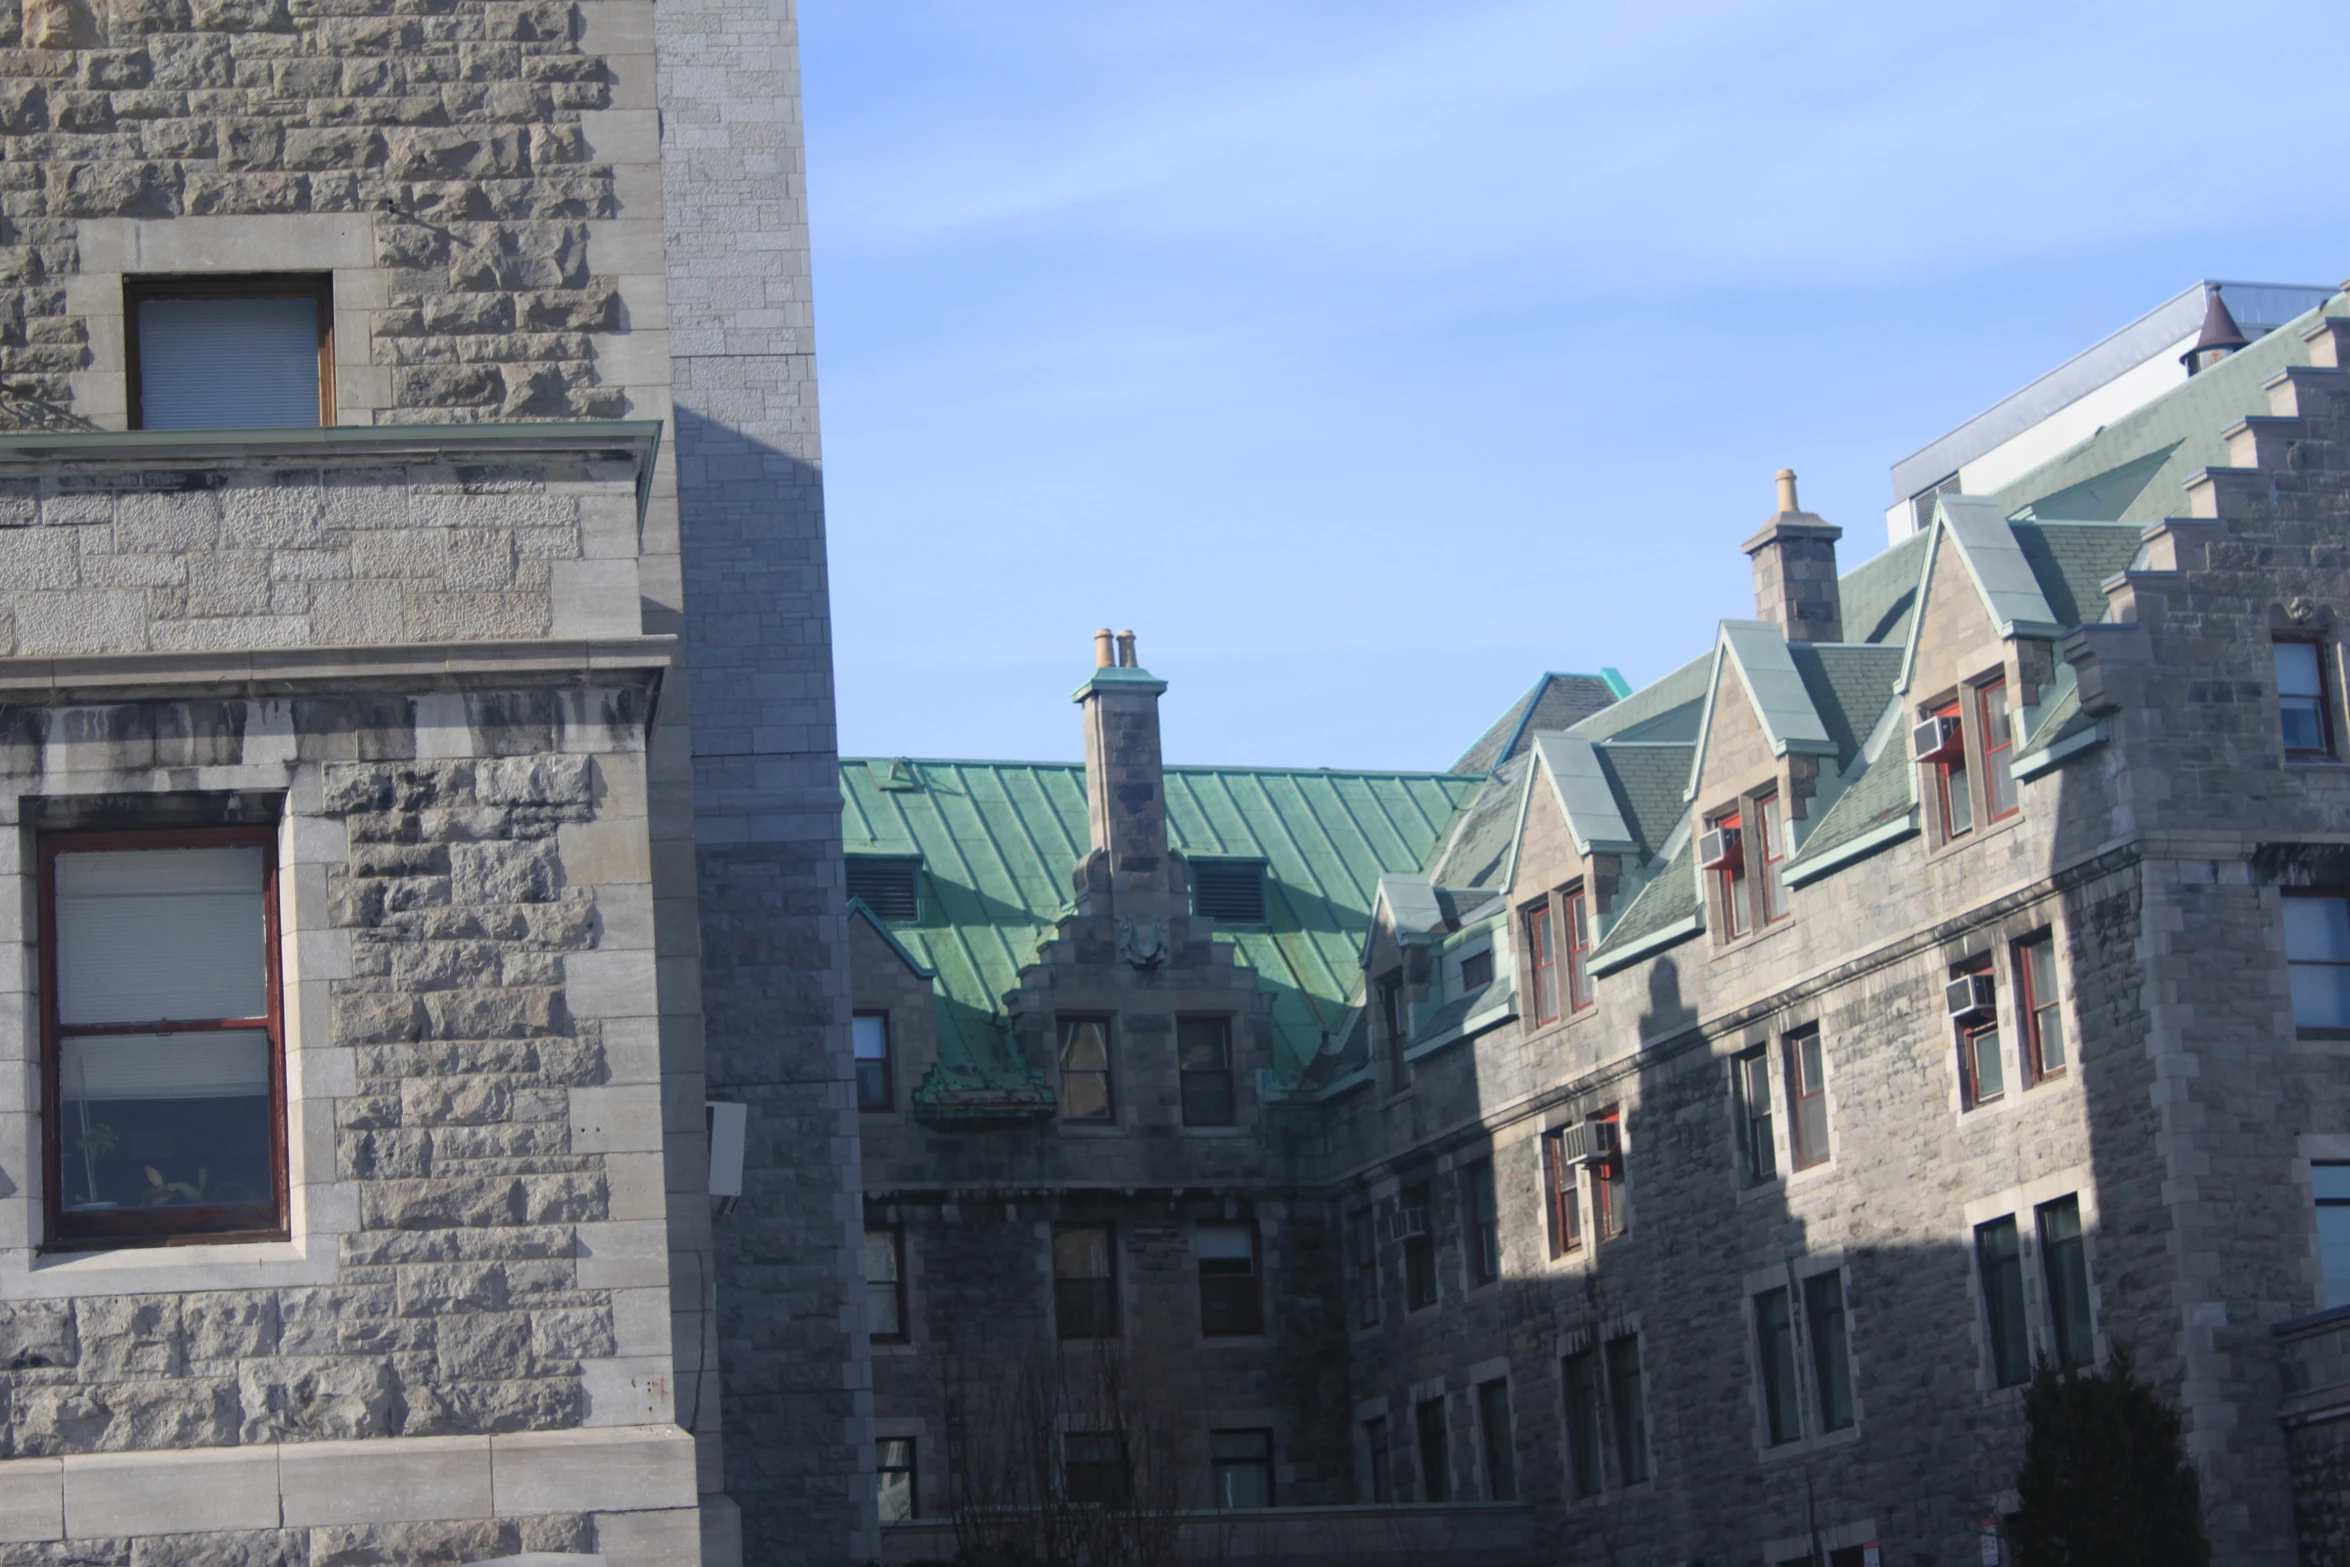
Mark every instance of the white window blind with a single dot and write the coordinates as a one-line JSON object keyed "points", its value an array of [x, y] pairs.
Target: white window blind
{"points": [[147, 935], [233, 1064], [228, 364]]}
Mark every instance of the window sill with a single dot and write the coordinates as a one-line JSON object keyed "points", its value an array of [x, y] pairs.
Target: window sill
{"points": [[1808, 1446], [170, 1269], [2316, 761], [1755, 938]]}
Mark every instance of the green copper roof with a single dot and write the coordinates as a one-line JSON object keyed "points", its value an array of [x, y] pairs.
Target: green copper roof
{"points": [[999, 841], [2134, 469]]}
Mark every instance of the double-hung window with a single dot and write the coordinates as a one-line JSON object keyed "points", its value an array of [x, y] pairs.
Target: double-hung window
{"points": [[2064, 1260], [1831, 1354], [214, 353], [1577, 911], [1419, 1250], [1203, 1049], [1493, 1424], [1628, 1403], [2331, 1183], [1230, 1304], [1085, 1285], [1951, 789], [1981, 1066], [162, 1049], [1095, 1471], [893, 1478], [1753, 1079], [885, 1283], [1732, 886], [2302, 709], [1482, 1222], [2317, 957], [1435, 1458], [869, 1032], [1770, 853], [1774, 1331], [1085, 1070], [2000, 1262], [1997, 727], [2039, 1008], [1579, 1376], [1609, 1210], [1244, 1468], [1543, 962], [1560, 1195], [1807, 1100]]}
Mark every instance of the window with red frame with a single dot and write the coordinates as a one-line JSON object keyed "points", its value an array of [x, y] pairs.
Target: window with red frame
{"points": [[1578, 922], [1730, 878], [1950, 781], [1607, 1184], [1807, 1100], [2039, 1010], [1770, 851], [1982, 1070], [1998, 732], [1560, 1196], [1544, 961]]}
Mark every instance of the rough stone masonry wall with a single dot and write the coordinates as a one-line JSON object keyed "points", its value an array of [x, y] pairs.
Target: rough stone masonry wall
{"points": [[459, 1086], [457, 127]]}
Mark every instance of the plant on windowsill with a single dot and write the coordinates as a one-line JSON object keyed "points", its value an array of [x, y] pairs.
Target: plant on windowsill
{"points": [[2105, 1476]]}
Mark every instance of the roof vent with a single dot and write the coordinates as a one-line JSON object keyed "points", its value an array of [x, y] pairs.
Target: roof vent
{"points": [[888, 885], [1230, 891], [2219, 338]]}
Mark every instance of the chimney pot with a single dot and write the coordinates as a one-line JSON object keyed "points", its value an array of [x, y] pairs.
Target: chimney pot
{"points": [[1103, 658], [1787, 490], [1126, 651]]}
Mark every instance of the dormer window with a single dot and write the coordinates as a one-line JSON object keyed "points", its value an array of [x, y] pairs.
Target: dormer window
{"points": [[1770, 857], [230, 353], [1948, 761], [1998, 732], [1724, 858]]}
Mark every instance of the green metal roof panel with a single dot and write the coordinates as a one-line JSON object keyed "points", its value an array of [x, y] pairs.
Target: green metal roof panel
{"points": [[1781, 704], [1880, 593], [2110, 477], [2009, 588], [1000, 841], [1849, 686], [1649, 779], [2072, 561], [1880, 797], [1665, 709]]}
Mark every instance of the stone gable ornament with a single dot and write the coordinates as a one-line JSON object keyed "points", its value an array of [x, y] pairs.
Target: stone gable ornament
{"points": [[51, 24], [1143, 946]]}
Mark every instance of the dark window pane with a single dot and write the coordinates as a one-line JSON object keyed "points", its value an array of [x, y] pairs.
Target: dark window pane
{"points": [[1493, 1419], [1435, 1461], [1807, 1088], [1085, 1069], [1477, 971], [1363, 1240], [884, 1301], [2317, 952], [1419, 1252], [1084, 1288], [1831, 1356], [1203, 1051], [1382, 1464], [1754, 1083], [1228, 1298], [1243, 1468], [212, 364], [869, 1036], [1580, 1373], [1630, 1400], [2301, 696], [2063, 1253], [1774, 1326], [1094, 1468], [893, 1474], [2000, 1256], [1484, 1230]]}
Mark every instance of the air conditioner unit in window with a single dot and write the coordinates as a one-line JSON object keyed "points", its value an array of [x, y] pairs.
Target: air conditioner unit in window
{"points": [[1970, 996], [1589, 1140], [1720, 850], [1935, 740], [1407, 1224]]}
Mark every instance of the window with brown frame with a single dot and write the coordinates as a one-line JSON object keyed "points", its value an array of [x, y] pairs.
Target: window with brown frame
{"points": [[163, 1051], [1997, 727], [1608, 1211], [2303, 712], [1770, 851], [1752, 1078], [1577, 913], [2039, 1008], [1955, 803], [1807, 1100], [1560, 1195], [218, 353], [1543, 962], [1730, 883], [1982, 1069]]}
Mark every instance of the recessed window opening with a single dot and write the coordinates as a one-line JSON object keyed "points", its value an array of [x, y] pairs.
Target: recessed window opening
{"points": [[1381, 1462], [1579, 1376], [1831, 1355], [1203, 1049], [888, 885], [1999, 1259], [1230, 1302], [1419, 1248], [2332, 1184], [893, 1478], [1363, 1241], [1435, 1462], [1770, 850], [885, 1283], [1578, 921], [2065, 1260], [2303, 713], [2317, 962], [1493, 1423], [1482, 1216], [1543, 962], [221, 353], [1231, 892], [1243, 1468], [1753, 1077], [1807, 1100], [1085, 1294], [1774, 1328], [1561, 1194], [869, 1037], [162, 1044], [1628, 1400], [1732, 890], [1608, 1208], [2040, 1006], [1094, 1468], [1975, 1016], [1085, 1069], [1392, 1022], [1476, 971], [1955, 803], [1997, 728]]}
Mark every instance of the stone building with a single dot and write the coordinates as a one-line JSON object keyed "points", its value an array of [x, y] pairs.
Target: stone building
{"points": [[418, 769], [1674, 1133]]}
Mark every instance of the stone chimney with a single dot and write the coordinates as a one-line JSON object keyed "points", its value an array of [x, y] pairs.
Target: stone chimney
{"points": [[1125, 784], [1795, 570]]}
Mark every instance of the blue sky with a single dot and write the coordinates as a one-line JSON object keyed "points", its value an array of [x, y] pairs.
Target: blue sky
{"points": [[1368, 358]]}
